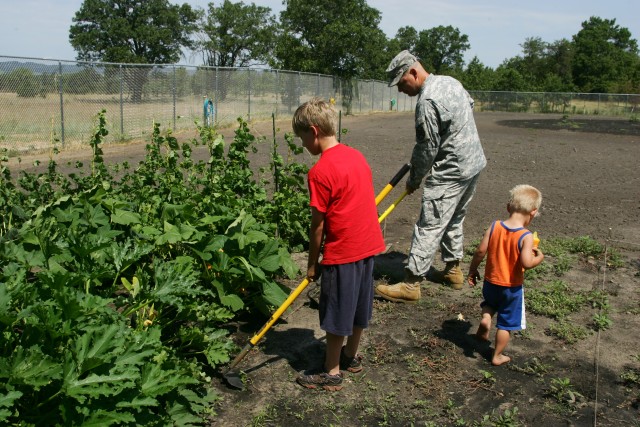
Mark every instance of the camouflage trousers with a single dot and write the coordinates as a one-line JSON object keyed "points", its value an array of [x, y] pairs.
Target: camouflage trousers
{"points": [[444, 207]]}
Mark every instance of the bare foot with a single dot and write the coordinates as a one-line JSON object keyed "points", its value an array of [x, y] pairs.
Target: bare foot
{"points": [[482, 334], [500, 360]]}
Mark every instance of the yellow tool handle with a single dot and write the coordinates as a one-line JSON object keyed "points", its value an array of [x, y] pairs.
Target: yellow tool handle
{"points": [[392, 207], [398, 176], [297, 291]]}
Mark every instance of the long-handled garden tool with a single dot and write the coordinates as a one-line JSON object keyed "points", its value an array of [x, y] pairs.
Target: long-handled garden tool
{"points": [[233, 377], [394, 181]]}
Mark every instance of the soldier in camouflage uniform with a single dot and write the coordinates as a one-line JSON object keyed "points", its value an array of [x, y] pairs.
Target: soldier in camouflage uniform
{"points": [[448, 152]]}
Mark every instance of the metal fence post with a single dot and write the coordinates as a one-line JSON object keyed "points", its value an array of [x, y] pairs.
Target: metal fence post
{"points": [[249, 84], [174, 97], [277, 90], [215, 90], [121, 101], [372, 89], [61, 103]]}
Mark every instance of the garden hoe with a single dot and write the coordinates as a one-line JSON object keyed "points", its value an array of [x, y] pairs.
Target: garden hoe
{"points": [[232, 377]]}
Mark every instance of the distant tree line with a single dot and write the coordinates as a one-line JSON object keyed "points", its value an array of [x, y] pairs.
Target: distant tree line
{"points": [[339, 38]]}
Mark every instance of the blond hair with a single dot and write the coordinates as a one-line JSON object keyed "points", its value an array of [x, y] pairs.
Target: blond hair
{"points": [[315, 112], [524, 198]]}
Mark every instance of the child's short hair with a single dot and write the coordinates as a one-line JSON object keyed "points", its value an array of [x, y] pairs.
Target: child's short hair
{"points": [[524, 198], [315, 112]]}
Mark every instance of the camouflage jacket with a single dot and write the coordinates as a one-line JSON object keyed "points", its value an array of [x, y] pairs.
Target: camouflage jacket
{"points": [[447, 142]]}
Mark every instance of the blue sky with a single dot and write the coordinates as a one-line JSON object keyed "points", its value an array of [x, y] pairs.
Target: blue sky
{"points": [[496, 28]]}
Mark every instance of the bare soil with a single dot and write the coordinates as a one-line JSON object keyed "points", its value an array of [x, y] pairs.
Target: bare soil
{"points": [[422, 365]]}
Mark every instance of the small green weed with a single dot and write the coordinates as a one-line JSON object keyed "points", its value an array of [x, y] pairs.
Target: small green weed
{"points": [[533, 367], [509, 418], [265, 417], [601, 322], [615, 259], [487, 377], [562, 264], [555, 300], [567, 332], [631, 377], [564, 392], [585, 245], [599, 300], [539, 272]]}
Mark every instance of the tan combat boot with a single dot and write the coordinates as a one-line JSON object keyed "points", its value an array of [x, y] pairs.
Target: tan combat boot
{"points": [[407, 291], [450, 276]]}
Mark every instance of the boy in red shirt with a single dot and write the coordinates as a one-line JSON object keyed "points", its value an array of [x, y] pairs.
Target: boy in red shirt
{"points": [[510, 250], [344, 215]]}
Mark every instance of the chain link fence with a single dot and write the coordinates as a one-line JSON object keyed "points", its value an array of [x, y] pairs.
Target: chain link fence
{"points": [[46, 102], [604, 104]]}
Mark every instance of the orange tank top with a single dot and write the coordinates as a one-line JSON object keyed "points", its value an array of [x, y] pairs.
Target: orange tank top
{"points": [[503, 267]]}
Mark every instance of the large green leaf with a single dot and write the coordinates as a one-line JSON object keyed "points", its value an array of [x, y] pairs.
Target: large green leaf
{"points": [[141, 348], [273, 294], [95, 386], [156, 381], [123, 217], [99, 345], [290, 268], [268, 258], [7, 401], [103, 417], [7, 316], [33, 367], [176, 281]]}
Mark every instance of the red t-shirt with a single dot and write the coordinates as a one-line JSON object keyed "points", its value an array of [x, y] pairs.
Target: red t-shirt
{"points": [[341, 187]]}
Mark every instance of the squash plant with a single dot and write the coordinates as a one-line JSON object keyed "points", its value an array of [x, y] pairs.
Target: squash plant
{"points": [[115, 291]]}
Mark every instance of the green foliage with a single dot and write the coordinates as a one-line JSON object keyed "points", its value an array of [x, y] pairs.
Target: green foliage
{"points": [[132, 32], [237, 35], [554, 300], [150, 32], [601, 321], [441, 49], [564, 392], [605, 56], [631, 377], [567, 332], [509, 418], [332, 37], [114, 293], [533, 367]]}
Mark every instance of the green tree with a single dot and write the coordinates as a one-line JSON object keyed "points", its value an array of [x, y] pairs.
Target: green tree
{"points": [[477, 76], [605, 56], [541, 67], [508, 78], [441, 49], [335, 37], [405, 39], [237, 35], [134, 32], [24, 82], [560, 55]]}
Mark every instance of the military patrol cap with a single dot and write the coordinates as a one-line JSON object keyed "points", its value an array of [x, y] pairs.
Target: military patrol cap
{"points": [[399, 65]]}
